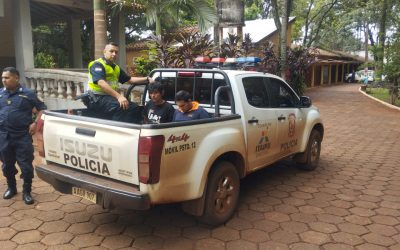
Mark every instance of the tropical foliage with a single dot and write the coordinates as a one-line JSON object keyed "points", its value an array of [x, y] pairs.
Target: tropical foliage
{"points": [[299, 60], [163, 12], [191, 44], [143, 66]]}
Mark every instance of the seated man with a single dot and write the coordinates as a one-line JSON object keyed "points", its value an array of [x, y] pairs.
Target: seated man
{"points": [[157, 110], [104, 76], [188, 109]]}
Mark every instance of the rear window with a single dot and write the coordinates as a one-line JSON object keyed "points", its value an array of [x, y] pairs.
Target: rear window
{"points": [[202, 87]]}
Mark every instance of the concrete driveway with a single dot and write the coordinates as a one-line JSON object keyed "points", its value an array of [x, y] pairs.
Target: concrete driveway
{"points": [[351, 202]]}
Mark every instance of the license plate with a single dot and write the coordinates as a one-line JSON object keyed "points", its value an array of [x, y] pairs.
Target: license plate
{"points": [[85, 194]]}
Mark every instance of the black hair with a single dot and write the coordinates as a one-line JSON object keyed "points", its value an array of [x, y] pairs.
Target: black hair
{"points": [[12, 70], [157, 86], [183, 95], [113, 44]]}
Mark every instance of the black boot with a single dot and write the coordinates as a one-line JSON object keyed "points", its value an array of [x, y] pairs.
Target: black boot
{"points": [[27, 198], [11, 189], [26, 194]]}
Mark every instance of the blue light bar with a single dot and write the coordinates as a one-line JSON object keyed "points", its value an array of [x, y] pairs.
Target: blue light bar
{"points": [[250, 59]]}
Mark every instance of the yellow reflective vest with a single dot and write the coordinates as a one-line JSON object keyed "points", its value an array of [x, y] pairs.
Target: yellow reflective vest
{"points": [[112, 75]]}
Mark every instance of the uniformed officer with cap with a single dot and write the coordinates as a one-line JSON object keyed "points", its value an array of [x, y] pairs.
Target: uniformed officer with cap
{"points": [[16, 129], [104, 76]]}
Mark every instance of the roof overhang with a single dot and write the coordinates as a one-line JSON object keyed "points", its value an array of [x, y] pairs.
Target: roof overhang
{"points": [[48, 11]]}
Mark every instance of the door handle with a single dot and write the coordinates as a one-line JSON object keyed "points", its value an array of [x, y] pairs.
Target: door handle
{"points": [[84, 131], [252, 120], [280, 118]]}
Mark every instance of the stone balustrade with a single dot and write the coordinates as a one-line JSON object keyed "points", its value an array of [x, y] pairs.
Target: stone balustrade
{"points": [[59, 88]]}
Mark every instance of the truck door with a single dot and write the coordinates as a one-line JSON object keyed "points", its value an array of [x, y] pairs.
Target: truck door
{"points": [[291, 119], [261, 122]]}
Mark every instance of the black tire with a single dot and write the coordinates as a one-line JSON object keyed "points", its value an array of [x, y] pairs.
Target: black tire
{"points": [[313, 152], [222, 194]]}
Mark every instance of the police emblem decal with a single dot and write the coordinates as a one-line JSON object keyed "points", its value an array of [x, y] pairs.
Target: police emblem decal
{"points": [[292, 124]]}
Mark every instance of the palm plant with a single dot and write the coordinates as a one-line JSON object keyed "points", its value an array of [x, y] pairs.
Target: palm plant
{"points": [[230, 47], [270, 60], [247, 45], [193, 44], [163, 50], [158, 10]]}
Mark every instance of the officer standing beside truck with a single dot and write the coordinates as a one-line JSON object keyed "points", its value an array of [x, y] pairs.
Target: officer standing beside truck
{"points": [[104, 76], [16, 130]]}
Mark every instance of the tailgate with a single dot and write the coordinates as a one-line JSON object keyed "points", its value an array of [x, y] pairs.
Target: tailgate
{"points": [[101, 149]]}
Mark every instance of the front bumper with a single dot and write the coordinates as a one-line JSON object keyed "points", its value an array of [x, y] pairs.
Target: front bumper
{"points": [[110, 194]]}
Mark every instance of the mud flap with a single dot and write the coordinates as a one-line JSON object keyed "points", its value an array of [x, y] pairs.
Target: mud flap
{"points": [[195, 207]]}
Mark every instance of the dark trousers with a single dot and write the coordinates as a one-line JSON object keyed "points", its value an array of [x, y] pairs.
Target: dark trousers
{"points": [[109, 106], [19, 150]]}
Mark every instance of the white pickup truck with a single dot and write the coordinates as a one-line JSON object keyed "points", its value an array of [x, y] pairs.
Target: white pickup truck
{"points": [[257, 119]]}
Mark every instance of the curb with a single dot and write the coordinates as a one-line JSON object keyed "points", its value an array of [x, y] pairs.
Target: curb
{"points": [[376, 99]]}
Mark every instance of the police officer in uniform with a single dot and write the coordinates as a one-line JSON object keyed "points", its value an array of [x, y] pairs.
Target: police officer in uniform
{"points": [[104, 76], [16, 129]]}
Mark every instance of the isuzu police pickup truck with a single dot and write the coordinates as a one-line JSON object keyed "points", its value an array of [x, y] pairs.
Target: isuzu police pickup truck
{"points": [[256, 120]]}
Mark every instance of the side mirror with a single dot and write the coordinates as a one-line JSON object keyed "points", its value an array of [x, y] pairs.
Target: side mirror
{"points": [[305, 102]]}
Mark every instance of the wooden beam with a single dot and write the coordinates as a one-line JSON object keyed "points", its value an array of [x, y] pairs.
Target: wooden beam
{"points": [[312, 75], [79, 4]]}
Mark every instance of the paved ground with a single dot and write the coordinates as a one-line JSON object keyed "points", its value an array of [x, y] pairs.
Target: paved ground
{"points": [[351, 202]]}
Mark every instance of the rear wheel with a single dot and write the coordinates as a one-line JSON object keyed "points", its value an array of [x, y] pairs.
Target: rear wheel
{"points": [[222, 194], [312, 152]]}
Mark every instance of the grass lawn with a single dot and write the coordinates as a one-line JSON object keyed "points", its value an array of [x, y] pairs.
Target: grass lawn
{"points": [[381, 94]]}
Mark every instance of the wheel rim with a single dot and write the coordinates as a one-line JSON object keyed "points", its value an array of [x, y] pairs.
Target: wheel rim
{"points": [[224, 194], [314, 151]]}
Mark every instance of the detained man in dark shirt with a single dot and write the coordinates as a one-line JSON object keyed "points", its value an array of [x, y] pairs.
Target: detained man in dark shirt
{"points": [[157, 110]]}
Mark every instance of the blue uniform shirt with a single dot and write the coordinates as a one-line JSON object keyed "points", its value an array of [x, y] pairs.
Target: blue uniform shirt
{"points": [[16, 111]]}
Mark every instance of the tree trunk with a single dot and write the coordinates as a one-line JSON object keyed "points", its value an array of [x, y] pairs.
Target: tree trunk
{"points": [[283, 38], [158, 20], [307, 22], [382, 35], [366, 41], [278, 24], [100, 27], [216, 26]]}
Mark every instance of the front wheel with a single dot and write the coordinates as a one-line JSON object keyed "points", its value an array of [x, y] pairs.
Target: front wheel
{"points": [[222, 194], [312, 153]]}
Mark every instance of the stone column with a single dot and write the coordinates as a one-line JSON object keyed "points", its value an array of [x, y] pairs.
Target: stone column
{"points": [[23, 36], [221, 36], [322, 74], [330, 74], [1, 8], [75, 52], [118, 36], [343, 74], [240, 34], [336, 73]]}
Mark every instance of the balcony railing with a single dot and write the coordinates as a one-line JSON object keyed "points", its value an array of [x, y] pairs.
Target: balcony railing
{"points": [[59, 88]]}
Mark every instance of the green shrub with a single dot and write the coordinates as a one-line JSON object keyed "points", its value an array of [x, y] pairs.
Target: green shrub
{"points": [[143, 66], [43, 60]]}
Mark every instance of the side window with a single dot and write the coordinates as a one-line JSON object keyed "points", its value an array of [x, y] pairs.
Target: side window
{"points": [[256, 92], [281, 96]]}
